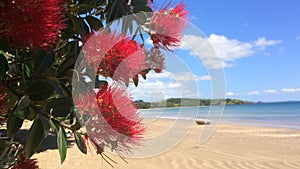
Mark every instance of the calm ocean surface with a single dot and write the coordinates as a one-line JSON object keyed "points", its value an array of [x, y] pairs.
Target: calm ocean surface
{"points": [[280, 114]]}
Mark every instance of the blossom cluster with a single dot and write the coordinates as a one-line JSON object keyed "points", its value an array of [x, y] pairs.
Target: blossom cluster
{"points": [[114, 55], [110, 117], [33, 24], [114, 120], [24, 163], [167, 26]]}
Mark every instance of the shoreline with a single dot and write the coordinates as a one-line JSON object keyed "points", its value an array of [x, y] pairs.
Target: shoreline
{"points": [[274, 115], [232, 122]]}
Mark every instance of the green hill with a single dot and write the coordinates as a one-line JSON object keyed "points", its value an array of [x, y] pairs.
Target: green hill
{"points": [[184, 102]]}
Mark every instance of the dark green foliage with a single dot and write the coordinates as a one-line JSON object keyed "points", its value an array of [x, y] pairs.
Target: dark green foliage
{"points": [[95, 23], [42, 61], [60, 107], [22, 108], [80, 143], [3, 66], [62, 144], [41, 82], [34, 138], [142, 105], [39, 90], [13, 124]]}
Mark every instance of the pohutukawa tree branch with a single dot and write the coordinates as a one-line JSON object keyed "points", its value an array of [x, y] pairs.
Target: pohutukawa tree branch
{"points": [[40, 41]]}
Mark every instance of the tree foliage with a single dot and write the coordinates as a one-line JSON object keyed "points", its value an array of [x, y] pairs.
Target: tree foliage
{"points": [[184, 102], [40, 42]]}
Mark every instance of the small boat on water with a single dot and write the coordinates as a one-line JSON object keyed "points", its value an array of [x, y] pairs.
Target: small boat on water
{"points": [[202, 121]]}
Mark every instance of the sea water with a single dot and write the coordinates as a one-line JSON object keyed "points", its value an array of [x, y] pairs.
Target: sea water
{"points": [[279, 114]]}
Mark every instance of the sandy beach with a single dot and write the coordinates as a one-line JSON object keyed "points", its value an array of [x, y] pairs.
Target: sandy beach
{"points": [[231, 146]]}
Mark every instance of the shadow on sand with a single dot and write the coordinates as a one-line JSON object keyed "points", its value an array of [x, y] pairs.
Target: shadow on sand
{"points": [[50, 142]]}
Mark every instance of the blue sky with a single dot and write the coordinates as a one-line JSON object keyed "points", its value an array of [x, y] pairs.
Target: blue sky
{"points": [[259, 46]]}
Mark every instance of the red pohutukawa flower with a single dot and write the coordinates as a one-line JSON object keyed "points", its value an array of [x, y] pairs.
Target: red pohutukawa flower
{"points": [[26, 163], [114, 55], [167, 26], [32, 23], [155, 60], [116, 124], [3, 103]]}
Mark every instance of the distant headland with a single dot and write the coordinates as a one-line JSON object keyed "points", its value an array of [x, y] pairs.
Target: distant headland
{"points": [[185, 102]]}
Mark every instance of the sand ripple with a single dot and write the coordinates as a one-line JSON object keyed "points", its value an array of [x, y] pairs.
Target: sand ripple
{"points": [[231, 147]]}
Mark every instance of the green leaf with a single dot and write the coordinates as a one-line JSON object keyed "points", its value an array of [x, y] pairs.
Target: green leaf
{"points": [[23, 113], [103, 3], [60, 107], [27, 70], [23, 102], [62, 144], [53, 126], [87, 2], [39, 90], [85, 6], [22, 109], [139, 3], [3, 145], [111, 11], [67, 64], [70, 74], [46, 125], [3, 66], [13, 124], [4, 44], [42, 61], [34, 138], [80, 143], [95, 23], [68, 31], [83, 9], [79, 26], [76, 126]]}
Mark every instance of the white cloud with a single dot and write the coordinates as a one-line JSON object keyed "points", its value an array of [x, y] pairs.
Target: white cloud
{"points": [[148, 41], [159, 86], [207, 77], [218, 51], [270, 91], [163, 74], [173, 85], [253, 93], [187, 76], [182, 76], [291, 90], [230, 49], [298, 37], [154, 91], [262, 43], [230, 94]]}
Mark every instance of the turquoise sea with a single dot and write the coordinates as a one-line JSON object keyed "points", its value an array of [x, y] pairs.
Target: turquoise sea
{"points": [[277, 114]]}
